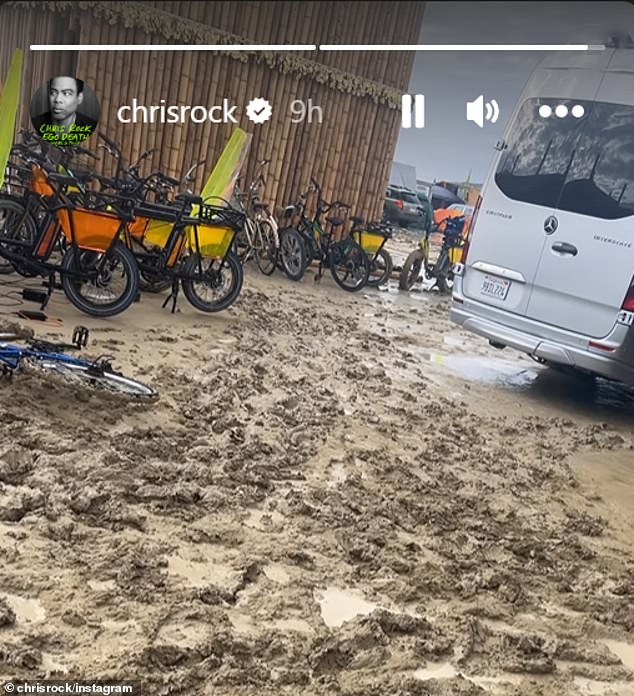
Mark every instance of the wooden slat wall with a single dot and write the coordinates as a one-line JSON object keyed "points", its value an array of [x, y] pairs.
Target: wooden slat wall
{"points": [[350, 152]]}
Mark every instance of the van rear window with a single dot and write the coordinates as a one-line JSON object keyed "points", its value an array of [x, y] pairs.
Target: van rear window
{"points": [[580, 164]]}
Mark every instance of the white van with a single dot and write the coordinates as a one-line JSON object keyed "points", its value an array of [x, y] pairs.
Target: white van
{"points": [[548, 268]]}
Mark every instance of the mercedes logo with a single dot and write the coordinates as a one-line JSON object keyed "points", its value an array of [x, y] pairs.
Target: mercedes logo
{"points": [[550, 224]]}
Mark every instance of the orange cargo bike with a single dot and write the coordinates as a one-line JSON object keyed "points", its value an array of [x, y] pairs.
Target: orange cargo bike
{"points": [[46, 231]]}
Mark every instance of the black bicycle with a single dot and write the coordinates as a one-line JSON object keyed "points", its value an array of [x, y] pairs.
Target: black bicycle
{"points": [[372, 236], [442, 269], [345, 258]]}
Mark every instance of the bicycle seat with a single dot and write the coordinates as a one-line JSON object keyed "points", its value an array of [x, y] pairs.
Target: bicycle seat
{"points": [[189, 198], [62, 179], [259, 205], [357, 220], [335, 221], [168, 180]]}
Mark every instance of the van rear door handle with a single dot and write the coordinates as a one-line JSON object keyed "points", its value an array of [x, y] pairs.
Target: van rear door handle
{"points": [[564, 248]]}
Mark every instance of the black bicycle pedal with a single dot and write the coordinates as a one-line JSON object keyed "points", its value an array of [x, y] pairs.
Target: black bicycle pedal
{"points": [[80, 337]]}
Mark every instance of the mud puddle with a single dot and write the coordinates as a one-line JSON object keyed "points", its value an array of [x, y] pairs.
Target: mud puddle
{"points": [[27, 610], [624, 651], [338, 606], [445, 670]]}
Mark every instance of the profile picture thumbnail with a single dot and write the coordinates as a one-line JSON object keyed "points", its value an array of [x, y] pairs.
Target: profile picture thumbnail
{"points": [[65, 111]]}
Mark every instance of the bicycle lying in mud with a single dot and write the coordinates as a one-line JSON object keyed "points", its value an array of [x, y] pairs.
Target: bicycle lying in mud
{"points": [[51, 359]]}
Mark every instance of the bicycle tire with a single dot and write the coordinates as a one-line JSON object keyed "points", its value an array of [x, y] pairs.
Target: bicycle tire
{"points": [[95, 378], [442, 271], [266, 254], [293, 257], [215, 274], [380, 268], [347, 259], [411, 270], [242, 245], [72, 286], [25, 236]]}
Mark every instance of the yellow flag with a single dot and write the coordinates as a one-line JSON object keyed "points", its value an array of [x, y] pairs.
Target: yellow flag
{"points": [[222, 179], [9, 99]]}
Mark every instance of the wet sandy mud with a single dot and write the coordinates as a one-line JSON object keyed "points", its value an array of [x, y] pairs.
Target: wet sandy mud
{"points": [[336, 494]]}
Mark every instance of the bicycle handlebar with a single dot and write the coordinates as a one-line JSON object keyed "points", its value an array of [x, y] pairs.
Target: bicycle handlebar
{"points": [[143, 156], [191, 170], [111, 144]]}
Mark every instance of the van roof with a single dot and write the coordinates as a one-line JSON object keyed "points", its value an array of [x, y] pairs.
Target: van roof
{"points": [[577, 75], [606, 60]]}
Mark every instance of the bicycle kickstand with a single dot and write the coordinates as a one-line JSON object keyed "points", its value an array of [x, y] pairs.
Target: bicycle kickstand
{"points": [[319, 274], [173, 296], [50, 287]]}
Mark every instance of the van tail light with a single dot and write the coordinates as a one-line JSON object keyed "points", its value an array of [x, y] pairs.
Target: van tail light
{"points": [[399, 204], [602, 346], [465, 248], [628, 302]]}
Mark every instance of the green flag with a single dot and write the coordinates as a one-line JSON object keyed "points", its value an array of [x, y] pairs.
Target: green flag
{"points": [[9, 99]]}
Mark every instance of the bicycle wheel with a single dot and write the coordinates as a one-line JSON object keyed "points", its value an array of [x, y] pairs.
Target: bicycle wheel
{"points": [[106, 286], [380, 268], [211, 285], [95, 377], [349, 264], [242, 244], [443, 273], [293, 255], [18, 229], [266, 250], [411, 270]]}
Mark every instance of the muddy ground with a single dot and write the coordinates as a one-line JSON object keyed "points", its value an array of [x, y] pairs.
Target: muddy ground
{"points": [[336, 494]]}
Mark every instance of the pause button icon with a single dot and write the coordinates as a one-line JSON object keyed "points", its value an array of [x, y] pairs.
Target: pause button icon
{"points": [[418, 110]]}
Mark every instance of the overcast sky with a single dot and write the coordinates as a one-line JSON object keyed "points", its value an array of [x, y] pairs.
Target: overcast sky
{"points": [[449, 145]]}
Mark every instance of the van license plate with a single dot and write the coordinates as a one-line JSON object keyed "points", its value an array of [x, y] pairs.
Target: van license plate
{"points": [[495, 287]]}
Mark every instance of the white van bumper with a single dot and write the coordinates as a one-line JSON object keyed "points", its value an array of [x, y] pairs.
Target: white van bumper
{"points": [[573, 352]]}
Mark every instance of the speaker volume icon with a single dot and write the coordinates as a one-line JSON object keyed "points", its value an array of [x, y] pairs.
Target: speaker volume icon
{"points": [[476, 108]]}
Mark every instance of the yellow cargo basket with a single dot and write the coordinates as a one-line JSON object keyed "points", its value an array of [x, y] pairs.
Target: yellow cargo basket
{"points": [[455, 254], [214, 240], [216, 229], [370, 242]]}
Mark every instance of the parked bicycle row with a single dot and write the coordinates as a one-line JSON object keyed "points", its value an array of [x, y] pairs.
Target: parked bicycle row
{"points": [[107, 238]]}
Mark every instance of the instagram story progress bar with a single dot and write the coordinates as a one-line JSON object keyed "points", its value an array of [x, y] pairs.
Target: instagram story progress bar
{"points": [[313, 47], [462, 47], [173, 47]]}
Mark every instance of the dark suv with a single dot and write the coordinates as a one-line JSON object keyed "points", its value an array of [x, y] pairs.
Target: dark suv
{"points": [[402, 207]]}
